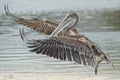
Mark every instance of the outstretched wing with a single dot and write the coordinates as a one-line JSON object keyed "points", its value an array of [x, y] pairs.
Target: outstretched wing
{"points": [[62, 48], [43, 26]]}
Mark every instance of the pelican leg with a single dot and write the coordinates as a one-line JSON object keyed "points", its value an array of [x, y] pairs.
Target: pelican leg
{"points": [[97, 64]]}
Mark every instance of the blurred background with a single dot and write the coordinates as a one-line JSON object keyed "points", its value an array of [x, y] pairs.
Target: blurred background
{"points": [[99, 21], [102, 14]]}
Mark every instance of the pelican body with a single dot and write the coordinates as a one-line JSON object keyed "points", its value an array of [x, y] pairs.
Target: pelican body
{"points": [[64, 42]]}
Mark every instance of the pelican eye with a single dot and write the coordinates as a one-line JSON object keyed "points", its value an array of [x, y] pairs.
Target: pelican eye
{"points": [[69, 17]]}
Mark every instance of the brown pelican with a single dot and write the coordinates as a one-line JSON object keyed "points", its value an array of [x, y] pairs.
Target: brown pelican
{"points": [[64, 43], [75, 47], [40, 25]]}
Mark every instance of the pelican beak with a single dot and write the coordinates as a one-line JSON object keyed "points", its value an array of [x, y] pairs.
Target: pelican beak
{"points": [[60, 27]]}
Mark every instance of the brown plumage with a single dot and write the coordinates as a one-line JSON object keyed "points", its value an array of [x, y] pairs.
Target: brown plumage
{"points": [[64, 42], [76, 48], [40, 25]]}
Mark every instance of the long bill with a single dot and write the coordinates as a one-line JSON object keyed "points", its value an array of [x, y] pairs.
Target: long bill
{"points": [[60, 27]]}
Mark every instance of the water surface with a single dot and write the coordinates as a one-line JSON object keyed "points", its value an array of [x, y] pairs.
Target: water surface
{"points": [[100, 26]]}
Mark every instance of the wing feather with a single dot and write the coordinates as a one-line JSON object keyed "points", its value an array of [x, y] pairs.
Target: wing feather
{"points": [[63, 48], [42, 26]]}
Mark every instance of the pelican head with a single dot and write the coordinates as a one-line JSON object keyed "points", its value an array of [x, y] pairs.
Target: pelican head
{"points": [[68, 22]]}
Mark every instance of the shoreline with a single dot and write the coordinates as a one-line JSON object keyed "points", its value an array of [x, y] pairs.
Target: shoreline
{"points": [[49, 76]]}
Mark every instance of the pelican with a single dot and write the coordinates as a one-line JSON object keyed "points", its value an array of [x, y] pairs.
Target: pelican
{"points": [[40, 25], [63, 42]]}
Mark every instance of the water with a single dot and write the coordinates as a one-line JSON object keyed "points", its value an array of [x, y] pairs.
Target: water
{"points": [[100, 26], [32, 6]]}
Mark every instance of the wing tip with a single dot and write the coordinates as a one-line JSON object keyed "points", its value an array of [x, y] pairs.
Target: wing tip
{"points": [[21, 32], [23, 36], [7, 11]]}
